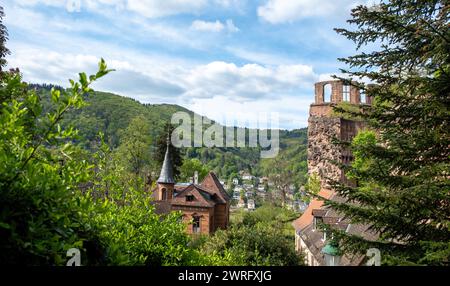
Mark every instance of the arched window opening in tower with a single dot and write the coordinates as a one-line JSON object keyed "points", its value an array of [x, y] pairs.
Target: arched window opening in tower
{"points": [[327, 91], [196, 224]]}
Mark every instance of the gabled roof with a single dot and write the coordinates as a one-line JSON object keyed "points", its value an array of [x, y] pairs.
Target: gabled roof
{"points": [[307, 217], [202, 198], [212, 184]]}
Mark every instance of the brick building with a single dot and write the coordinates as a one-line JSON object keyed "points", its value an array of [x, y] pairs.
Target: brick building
{"points": [[323, 127], [205, 206]]}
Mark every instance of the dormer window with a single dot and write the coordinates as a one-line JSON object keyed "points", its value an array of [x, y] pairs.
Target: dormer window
{"points": [[189, 198], [317, 221]]}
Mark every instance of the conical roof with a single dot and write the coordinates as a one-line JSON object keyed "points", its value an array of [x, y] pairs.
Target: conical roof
{"points": [[166, 176]]}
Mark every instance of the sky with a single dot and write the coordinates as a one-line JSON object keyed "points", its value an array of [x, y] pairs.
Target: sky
{"points": [[215, 57]]}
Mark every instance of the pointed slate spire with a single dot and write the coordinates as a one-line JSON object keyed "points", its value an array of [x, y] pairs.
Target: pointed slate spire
{"points": [[166, 176]]}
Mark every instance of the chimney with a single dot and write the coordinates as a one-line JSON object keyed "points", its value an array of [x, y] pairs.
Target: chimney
{"points": [[196, 177]]}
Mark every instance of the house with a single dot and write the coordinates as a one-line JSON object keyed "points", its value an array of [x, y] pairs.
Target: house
{"points": [[251, 204], [205, 206], [247, 177], [311, 240], [241, 203]]}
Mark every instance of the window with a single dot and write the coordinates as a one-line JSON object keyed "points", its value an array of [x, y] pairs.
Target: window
{"points": [[164, 194], [189, 198], [316, 222], [327, 93], [362, 96], [196, 224], [346, 93]]}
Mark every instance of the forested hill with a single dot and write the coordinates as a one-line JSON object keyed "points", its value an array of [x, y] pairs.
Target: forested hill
{"points": [[111, 114]]}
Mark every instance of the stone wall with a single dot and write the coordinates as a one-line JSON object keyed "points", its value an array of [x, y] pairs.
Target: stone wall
{"points": [[321, 150], [321, 131]]}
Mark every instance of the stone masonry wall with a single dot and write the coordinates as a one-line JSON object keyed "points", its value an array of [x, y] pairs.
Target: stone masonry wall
{"points": [[321, 130]]}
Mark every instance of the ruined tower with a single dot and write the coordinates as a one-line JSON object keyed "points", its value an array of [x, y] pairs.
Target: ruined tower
{"points": [[323, 126]]}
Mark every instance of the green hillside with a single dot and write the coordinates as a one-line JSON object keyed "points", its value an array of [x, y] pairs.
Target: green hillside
{"points": [[110, 113]]}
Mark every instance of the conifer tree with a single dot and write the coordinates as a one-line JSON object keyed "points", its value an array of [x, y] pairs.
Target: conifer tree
{"points": [[3, 38], [402, 162]]}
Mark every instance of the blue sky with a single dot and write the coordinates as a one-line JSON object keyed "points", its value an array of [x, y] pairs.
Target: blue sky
{"points": [[215, 57]]}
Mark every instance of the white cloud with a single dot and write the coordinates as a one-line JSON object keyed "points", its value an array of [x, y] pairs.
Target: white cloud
{"points": [[200, 25], [158, 8], [216, 26], [248, 82], [231, 27], [292, 110], [214, 89], [283, 11], [146, 8], [56, 49]]}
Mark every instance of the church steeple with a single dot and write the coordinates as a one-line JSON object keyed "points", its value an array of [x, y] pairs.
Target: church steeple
{"points": [[166, 175], [166, 181]]}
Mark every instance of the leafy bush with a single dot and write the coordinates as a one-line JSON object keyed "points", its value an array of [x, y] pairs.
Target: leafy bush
{"points": [[43, 213], [40, 214], [260, 238], [243, 245]]}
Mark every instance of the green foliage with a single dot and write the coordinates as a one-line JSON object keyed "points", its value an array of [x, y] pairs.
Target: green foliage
{"points": [[291, 161], [40, 213], [270, 214], [189, 167], [56, 196], [312, 187], [402, 167], [129, 232], [111, 114], [134, 150], [257, 240], [3, 38]]}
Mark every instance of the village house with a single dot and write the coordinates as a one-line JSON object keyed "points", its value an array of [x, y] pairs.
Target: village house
{"points": [[251, 205], [205, 206]]}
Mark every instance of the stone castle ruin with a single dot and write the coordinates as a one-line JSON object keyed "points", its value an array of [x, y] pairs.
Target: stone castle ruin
{"points": [[324, 126]]}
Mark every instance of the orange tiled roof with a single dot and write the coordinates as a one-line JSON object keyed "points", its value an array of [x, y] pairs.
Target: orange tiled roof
{"points": [[307, 217]]}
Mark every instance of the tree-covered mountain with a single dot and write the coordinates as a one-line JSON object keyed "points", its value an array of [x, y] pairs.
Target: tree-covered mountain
{"points": [[111, 114]]}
